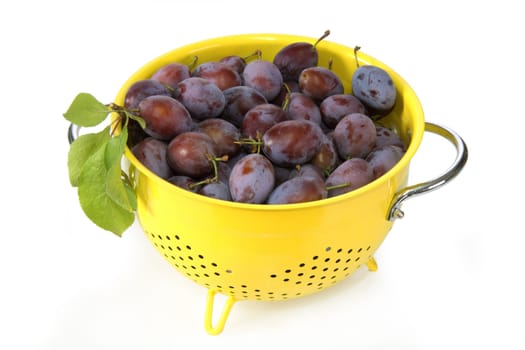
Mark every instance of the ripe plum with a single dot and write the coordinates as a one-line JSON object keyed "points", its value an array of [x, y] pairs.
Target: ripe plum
{"points": [[223, 133], [375, 88], [201, 97], [252, 179], [292, 142], [142, 89], [384, 158], [191, 154], [171, 74], [303, 107], [264, 76], [354, 136], [239, 100], [319, 83], [335, 107], [293, 58], [152, 153], [218, 73], [297, 190], [165, 117], [260, 118], [348, 176]]}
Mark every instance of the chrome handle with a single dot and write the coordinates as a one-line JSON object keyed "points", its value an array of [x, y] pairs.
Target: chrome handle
{"points": [[395, 211], [72, 132]]}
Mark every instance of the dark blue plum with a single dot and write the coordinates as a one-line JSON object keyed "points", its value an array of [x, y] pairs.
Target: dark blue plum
{"points": [[374, 87]]}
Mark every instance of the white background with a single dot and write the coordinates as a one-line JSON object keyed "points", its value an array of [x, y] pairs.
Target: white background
{"points": [[450, 273]]}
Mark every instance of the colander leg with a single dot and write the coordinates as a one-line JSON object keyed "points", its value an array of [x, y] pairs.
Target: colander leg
{"points": [[371, 264], [208, 319]]}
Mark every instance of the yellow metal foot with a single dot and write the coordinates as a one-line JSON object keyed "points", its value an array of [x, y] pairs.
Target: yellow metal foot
{"points": [[371, 264], [208, 318]]}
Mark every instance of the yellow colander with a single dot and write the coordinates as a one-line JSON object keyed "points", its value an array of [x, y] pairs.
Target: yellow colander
{"points": [[276, 252]]}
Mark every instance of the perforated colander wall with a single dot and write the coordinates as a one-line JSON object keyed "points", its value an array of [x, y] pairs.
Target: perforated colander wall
{"points": [[312, 274]]}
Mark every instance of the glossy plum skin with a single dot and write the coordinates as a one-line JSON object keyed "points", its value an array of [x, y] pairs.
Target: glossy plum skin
{"points": [[239, 100], [308, 170], [294, 58], [353, 173], [217, 190], [327, 157], [218, 73], [303, 107], [142, 89], [171, 74], [382, 159], [184, 182], [354, 136], [223, 133], [292, 142], [386, 136], [335, 107], [152, 153], [260, 118], [289, 86], [201, 97], [264, 76], [252, 179], [375, 88], [190, 154], [235, 62], [319, 83], [165, 117], [298, 189]]}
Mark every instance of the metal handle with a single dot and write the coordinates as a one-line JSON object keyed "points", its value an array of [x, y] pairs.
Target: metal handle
{"points": [[395, 211], [72, 132]]}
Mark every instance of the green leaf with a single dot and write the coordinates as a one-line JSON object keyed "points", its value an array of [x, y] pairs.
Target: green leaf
{"points": [[86, 110], [116, 189], [82, 149], [112, 158], [115, 149], [132, 196], [138, 119], [98, 206]]}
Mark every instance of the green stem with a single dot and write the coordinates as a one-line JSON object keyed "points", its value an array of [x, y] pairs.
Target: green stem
{"points": [[334, 187], [215, 176], [356, 48], [287, 97], [326, 33], [257, 53], [193, 63], [255, 143], [126, 178]]}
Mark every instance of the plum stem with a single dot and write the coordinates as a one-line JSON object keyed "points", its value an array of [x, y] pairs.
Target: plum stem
{"points": [[193, 63], [257, 53], [215, 176], [286, 101], [325, 34], [356, 48], [334, 187], [255, 143]]}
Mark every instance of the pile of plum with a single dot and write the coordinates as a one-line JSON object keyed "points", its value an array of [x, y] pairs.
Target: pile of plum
{"points": [[250, 130]]}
